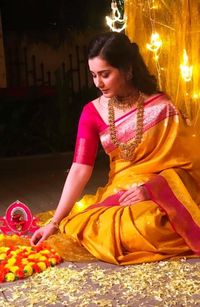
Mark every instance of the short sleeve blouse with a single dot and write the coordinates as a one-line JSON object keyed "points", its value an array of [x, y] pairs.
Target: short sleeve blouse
{"points": [[87, 139]]}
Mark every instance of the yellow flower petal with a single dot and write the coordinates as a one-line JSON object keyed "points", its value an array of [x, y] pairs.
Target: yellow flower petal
{"points": [[11, 261], [10, 277], [52, 261], [42, 258], [28, 270], [13, 268], [45, 252], [42, 265], [3, 249], [3, 256]]}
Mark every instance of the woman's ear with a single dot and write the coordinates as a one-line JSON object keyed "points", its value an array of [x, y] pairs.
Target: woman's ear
{"points": [[129, 74]]}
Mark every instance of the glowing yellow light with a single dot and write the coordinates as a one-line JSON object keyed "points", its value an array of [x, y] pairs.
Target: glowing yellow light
{"points": [[154, 5], [186, 70], [80, 206], [115, 19], [196, 95], [155, 43], [156, 57]]}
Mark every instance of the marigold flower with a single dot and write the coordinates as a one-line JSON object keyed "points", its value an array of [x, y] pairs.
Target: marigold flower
{"points": [[3, 249], [2, 276], [45, 252], [10, 277], [42, 258], [3, 256], [28, 270], [20, 273], [36, 268], [34, 256], [42, 265], [13, 268], [52, 261], [20, 261], [25, 261], [11, 261], [31, 263]]}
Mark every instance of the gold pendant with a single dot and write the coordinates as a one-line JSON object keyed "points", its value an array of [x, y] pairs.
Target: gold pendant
{"points": [[127, 154]]}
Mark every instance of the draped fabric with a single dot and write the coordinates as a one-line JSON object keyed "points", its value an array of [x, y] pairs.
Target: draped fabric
{"points": [[178, 24], [167, 163]]}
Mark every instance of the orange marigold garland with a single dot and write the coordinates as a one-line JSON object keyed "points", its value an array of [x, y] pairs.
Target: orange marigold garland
{"points": [[18, 259]]}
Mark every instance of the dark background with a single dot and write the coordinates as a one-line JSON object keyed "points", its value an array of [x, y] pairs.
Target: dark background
{"points": [[26, 15], [34, 120]]}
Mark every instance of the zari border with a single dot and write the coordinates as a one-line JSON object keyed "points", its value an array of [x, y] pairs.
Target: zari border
{"points": [[154, 113], [179, 217]]}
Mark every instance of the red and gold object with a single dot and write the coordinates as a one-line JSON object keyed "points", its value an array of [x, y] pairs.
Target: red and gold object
{"points": [[18, 220]]}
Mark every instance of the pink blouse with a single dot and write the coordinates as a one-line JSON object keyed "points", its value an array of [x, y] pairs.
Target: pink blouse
{"points": [[87, 140]]}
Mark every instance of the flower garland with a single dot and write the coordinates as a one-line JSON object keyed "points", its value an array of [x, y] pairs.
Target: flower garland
{"points": [[18, 261]]}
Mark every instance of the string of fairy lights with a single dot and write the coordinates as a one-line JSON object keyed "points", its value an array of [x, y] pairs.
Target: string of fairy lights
{"points": [[155, 43], [117, 19], [117, 22]]}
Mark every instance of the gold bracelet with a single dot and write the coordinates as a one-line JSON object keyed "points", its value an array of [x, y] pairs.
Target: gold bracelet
{"points": [[55, 224]]}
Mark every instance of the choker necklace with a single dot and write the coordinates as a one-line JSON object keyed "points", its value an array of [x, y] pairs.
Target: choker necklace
{"points": [[124, 103], [127, 149]]}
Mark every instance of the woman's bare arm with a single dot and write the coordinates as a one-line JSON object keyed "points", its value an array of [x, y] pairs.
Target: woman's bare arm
{"points": [[76, 181]]}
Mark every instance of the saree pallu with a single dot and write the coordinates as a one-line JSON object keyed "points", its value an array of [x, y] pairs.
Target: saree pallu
{"points": [[167, 164]]}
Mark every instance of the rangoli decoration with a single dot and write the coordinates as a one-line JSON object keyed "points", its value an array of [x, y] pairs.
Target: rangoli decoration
{"points": [[18, 259]]}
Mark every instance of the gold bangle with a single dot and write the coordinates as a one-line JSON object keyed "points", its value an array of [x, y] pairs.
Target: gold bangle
{"points": [[55, 224]]}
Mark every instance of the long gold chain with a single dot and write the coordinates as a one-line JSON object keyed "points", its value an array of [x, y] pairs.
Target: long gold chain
{"points": [[127, 149]]}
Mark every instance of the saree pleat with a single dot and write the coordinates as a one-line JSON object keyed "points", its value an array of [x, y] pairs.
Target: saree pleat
{"points": [[103, 232], [95, 235], [168, 165]]}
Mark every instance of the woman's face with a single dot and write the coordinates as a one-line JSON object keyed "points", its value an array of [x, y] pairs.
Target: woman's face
{"points": [[110, 80]]}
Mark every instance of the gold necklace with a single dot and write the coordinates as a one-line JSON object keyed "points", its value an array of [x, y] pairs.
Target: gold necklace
{"points": [[127, 149], [123, 103]]}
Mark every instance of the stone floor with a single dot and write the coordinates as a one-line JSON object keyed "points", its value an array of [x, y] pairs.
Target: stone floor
{"points": [[38, 182]]}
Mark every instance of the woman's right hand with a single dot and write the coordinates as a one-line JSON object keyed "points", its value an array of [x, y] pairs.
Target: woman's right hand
{"points": [[42, 234]]}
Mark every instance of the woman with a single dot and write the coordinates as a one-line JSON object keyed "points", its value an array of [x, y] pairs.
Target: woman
{"points": [[148, 210]]}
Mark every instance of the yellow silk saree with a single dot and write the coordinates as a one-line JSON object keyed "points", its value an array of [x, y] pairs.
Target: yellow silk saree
{"points": [[167, 163]]}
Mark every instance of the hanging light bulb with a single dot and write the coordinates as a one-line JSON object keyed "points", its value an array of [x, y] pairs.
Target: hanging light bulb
{"points": [[154, 5], [186, 70], [155, 43], [115, 19]]}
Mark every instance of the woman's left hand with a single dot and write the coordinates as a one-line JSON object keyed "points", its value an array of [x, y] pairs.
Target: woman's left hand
{"points": [[134, 195]]}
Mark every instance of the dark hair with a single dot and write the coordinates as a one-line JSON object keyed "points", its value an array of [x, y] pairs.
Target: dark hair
{"points": [[116, 49]]}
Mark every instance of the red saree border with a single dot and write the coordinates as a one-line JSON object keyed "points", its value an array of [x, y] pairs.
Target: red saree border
{"points": [[180, 219], [146, 102], [154, 112], [110, 201]]}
